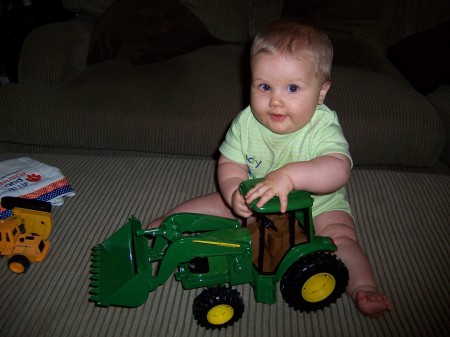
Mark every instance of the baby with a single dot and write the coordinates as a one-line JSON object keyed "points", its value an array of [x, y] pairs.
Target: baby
{"points": [[291, 139]]}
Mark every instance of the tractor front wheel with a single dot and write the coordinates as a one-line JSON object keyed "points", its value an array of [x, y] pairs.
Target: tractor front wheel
{"points": [[314, 282], [218, 307]]}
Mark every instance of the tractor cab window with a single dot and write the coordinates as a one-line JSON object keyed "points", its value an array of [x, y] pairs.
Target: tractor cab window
{"points": [[273, 235]]}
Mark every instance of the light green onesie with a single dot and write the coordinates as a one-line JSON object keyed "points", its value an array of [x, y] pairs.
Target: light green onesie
{"points": [[251, 143]]}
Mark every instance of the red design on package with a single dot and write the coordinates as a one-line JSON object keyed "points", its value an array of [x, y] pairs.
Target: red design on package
{"points": [[33, 177]]}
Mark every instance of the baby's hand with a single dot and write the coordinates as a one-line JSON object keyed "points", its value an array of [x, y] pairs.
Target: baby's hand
{"points": [[239, 205], [275, 183]]}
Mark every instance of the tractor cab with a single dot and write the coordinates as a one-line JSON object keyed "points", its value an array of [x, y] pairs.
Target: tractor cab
{"points": [[273, 233]]}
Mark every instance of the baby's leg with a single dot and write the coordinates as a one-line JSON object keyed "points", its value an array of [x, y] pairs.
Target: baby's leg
{"points": [[361, 287], [211, 204]]}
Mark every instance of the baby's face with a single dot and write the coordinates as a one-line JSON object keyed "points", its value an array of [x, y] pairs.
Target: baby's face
{"points": [[285, 91]]}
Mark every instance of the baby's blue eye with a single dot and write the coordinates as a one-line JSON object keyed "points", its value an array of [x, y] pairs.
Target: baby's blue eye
{"points": [[292, 88], [264, 87]]}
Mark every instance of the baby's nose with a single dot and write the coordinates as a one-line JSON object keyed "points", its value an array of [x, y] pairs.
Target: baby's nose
{"points": [[275, 101]]}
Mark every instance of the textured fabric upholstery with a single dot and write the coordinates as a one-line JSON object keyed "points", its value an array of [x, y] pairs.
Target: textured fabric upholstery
{"points": [[163, 117], [91, 7], [226, 20], [61, 50], [381, 116], [402, 221], [138, 140], [365, 101], [413, 16], [183, 106], [440, 99]]}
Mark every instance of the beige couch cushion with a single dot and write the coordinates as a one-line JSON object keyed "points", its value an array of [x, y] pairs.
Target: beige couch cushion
{"points": [[182, 105], [402, 223], [185, 104]]}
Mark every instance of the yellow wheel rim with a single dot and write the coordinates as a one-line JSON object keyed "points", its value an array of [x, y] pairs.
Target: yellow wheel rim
{"points": [[220, 314], [16, 267], [318, 287]]}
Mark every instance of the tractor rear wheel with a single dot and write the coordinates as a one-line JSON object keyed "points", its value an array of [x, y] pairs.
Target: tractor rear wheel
{"points": [[218, 307], [314, 282], [18, 264]]}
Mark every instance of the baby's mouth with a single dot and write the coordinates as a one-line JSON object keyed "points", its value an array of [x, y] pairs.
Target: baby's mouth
{"points": [[277, 117]]}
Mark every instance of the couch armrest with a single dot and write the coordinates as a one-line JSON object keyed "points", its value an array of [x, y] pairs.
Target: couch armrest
{"points": [[55, 52]]}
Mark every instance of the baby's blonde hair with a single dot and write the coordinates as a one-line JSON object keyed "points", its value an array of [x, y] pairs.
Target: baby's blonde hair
{"points": [[290, 37]]}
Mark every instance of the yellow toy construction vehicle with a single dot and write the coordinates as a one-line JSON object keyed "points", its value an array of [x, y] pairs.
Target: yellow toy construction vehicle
{"points": [[23, 235]]}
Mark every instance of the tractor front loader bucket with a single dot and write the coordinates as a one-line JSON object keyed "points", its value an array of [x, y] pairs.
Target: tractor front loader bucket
{"points": [[121, 274]]}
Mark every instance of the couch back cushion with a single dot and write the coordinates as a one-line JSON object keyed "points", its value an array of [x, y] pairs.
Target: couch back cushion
{"points": [[145, 31], [261, 12], [91, 7], [385, 121], [413, 16], [226, 20], [358, 29]]}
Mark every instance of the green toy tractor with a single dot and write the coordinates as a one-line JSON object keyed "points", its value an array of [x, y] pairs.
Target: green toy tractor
{"points": [[217, 253]]}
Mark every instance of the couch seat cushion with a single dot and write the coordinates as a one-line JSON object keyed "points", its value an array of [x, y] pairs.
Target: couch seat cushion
{"points": [[402, 220]]}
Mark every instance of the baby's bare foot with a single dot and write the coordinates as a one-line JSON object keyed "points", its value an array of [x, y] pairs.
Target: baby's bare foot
{"points": [[372, 303]]}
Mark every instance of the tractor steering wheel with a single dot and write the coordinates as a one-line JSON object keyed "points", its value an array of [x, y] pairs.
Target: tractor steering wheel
{"points": [[265, 221]]}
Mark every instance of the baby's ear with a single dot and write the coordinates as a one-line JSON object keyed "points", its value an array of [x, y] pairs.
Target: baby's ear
{"points": [[323, 91]]}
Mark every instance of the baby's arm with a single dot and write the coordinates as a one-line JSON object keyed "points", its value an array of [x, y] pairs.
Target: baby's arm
{"points": [[230, 174], [321, 175]]}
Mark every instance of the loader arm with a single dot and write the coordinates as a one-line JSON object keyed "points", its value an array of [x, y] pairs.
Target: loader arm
{"points": [[194, 222], [233, 245], [122, 265], [178, 225]]}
